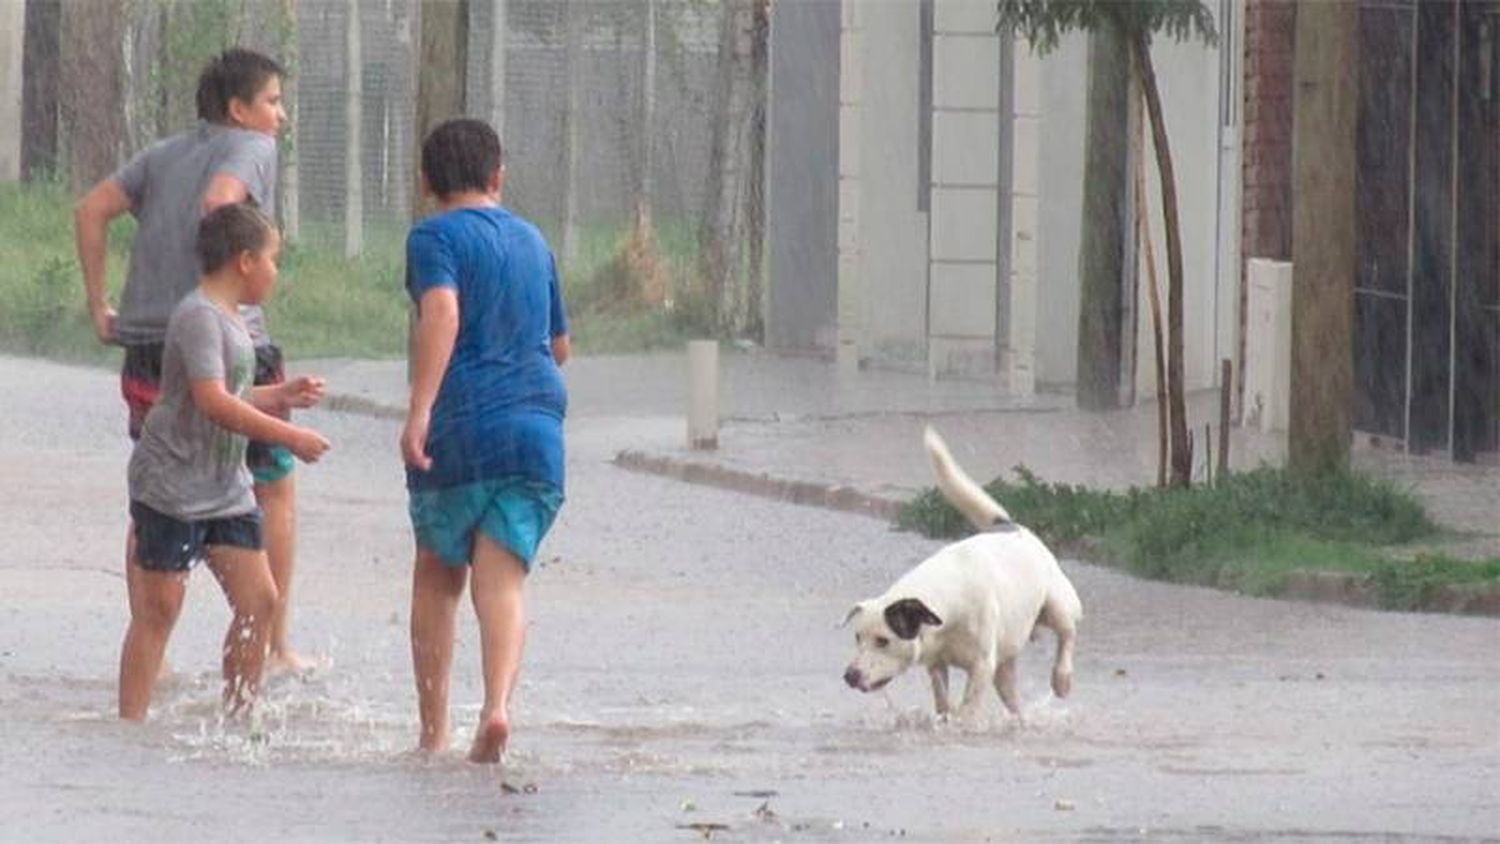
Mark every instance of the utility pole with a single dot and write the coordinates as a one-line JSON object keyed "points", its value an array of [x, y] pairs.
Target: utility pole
{"points": [[1323, 239], [1101, 258]]}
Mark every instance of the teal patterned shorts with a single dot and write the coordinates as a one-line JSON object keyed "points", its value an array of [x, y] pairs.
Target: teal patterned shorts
{"points": [[514, 512]]}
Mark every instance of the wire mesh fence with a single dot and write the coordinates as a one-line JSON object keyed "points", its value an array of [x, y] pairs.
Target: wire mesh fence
{"points": [[618, 117]]}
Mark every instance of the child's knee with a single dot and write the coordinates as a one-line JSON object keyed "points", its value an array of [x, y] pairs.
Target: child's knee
{"points": [[157, 609], [256, 605]]}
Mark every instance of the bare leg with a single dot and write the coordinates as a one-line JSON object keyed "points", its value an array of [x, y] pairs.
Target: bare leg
{"points": [[434, 600], [165, 669], [278, 505], [1005, 685], [155, 603], [499, 578], [939, 675], [245, 577]]}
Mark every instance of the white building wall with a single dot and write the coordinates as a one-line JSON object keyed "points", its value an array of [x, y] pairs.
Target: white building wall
{"points": [[1059, 163], [886, 283]]}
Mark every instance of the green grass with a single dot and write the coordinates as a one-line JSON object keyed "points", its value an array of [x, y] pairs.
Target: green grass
{"points": [[324, 305], [1247, 533]]}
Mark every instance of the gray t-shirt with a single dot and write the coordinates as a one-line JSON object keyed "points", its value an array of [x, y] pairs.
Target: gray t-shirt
{"points": [[185, 465], [166, 183]]}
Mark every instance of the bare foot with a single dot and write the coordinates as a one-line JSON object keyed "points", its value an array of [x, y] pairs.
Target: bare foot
{"points": [[490, 739], [287, 661]]}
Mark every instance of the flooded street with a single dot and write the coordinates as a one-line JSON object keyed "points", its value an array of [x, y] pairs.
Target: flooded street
{"points": [[682, 669]]}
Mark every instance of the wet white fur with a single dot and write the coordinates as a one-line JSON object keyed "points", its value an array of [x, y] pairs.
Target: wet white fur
{"points": [[989, 591]]}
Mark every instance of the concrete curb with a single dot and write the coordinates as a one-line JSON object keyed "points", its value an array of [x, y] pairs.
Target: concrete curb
{"points": [[1361, 590], [810, 493], [360, 406], [1314, 586]]}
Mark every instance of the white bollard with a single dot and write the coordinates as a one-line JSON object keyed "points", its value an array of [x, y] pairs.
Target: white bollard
{"points": [[703, 394]]}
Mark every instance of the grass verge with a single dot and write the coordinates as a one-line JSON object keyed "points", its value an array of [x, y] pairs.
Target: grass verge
{"points": [[1252, 532]]}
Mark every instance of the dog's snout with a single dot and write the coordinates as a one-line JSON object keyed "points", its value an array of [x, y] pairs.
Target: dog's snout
{"points": [[851, 676]]}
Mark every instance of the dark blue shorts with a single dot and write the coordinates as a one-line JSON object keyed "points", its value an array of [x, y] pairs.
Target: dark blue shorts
{"points": [[165, 543]]}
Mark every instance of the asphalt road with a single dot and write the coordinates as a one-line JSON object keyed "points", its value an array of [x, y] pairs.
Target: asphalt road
{"points": [[682, 668]]}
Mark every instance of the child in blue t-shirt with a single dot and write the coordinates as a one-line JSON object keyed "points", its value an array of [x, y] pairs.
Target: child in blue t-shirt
{"points": [[483, 441]]}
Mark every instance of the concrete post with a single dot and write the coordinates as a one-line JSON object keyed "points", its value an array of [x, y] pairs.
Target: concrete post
{"points": [[703, 394], [12, 46]]}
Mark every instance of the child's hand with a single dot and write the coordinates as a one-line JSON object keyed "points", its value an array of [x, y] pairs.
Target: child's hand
{"points": [[414, 443], [302, 391], [308, 445]]}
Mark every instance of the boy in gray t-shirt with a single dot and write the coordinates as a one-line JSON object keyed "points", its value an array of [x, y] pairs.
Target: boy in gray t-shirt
{"points": [[190, 494], [230, 156]]}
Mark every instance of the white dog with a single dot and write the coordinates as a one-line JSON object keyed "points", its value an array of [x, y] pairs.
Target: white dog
{"points": [[973, 605]]}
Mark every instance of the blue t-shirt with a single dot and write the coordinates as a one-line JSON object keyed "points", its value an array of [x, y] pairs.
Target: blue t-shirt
{"points": [[499, 412]]}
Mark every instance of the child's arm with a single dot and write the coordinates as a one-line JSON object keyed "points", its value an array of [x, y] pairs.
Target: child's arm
{"points": [[562, 349], [437, 329], [242, 417], [302, 391], [91, 220]]}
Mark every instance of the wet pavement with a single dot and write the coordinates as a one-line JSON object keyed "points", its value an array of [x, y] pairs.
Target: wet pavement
{"points": [[682, 666]]}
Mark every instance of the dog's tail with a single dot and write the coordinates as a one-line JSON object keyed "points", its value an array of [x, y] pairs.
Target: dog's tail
{"points": [[978, 507]]}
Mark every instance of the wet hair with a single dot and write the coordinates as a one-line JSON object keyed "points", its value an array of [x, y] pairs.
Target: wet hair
{"points": [[228, 231], [236, 73], [461, 155]]}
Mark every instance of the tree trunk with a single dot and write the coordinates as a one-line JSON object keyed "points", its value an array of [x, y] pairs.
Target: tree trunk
{"points": [[1323, 237], [443, 35], [92, 98], [1182, 453], [717, 239], [1101, 259], [12, 54], [574, 20], [1143, 234], [755, 197], [41, 70]]}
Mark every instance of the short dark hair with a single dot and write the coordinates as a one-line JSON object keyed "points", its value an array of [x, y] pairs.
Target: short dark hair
{"points": [[234, 73], [461, 155], [229, 230]]}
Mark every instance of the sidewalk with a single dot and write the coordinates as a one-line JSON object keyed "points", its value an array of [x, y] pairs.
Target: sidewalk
{"points": [[801, 430]]}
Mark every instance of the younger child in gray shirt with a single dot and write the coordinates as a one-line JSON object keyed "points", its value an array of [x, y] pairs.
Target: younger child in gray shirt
{"points": [[190, 493]]}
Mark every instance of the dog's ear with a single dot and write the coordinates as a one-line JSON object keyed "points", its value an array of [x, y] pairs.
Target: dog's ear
{"points": [[907, 616], [853, 611]]}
